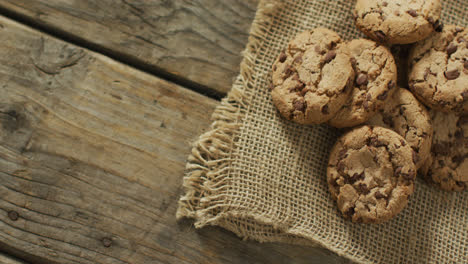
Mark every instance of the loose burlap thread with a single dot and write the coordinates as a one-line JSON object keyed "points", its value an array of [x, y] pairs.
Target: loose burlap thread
{"points": [[264, 178]]}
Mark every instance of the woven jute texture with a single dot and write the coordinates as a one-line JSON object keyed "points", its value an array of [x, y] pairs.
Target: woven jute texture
{"points": [[264, 178]]}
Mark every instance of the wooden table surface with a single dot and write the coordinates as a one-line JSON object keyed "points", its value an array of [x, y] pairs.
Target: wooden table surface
{"points": [[99, 102]]}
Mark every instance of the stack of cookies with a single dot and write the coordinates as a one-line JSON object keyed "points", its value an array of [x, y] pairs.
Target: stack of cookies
{"points": [[391, 134]]}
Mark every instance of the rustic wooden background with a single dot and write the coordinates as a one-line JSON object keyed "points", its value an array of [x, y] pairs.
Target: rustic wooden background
{"points": [[99, 102]]}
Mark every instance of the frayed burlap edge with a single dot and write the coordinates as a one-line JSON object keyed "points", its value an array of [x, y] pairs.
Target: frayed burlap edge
{"points": [[211, 153], [211, 157]]}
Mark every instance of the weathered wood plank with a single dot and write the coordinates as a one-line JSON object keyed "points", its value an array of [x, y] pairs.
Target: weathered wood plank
{"points": [[5, 259], [198, 40], [92, 155]]}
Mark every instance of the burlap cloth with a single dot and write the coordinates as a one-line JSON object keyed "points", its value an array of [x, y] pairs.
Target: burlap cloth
{"points": [[264, 178]]}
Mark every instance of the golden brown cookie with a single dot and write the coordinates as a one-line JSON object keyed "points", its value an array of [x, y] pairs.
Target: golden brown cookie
{"points": [[439, 70], [397, 21], [371, 174], [376, 76], [448, 168], [312, 78], [404, 114]]}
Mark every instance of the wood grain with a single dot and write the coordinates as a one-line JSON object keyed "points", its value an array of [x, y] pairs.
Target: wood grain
{"points": [[5, 259], [92, 154], [199, 41]]}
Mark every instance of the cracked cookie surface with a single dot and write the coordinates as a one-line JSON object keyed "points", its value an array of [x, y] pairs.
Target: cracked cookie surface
{"points": [[397, 21], [439, 70], [448, 168], [371, 174], [404, 114], [376, 76], [312, 78]]}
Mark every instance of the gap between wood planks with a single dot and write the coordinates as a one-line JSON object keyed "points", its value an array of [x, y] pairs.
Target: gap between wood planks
{"points": [[115, 55], [8, 253]]}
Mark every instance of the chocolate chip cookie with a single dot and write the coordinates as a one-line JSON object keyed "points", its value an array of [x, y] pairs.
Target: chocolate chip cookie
{"points": [[371, 174], [449, 166], [439, 70], [312, 78], [376, 76], [398, 21], [404, 114]]}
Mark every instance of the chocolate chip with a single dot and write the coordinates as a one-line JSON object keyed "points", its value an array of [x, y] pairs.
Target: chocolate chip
{"points": [[340, 167], [300, 105], [300, 86], [350, 212], [288, 71], [297, 88], [402, 110], [426, 73], [330, 56], [13, 215], [379, 195], [363, 188], [376, 159], [412, 13], [293, 90], [388, 120], [403, 143], [438, 26], [462, 121], [384, 4], [282, 57], [452, 75], [391, 84], [383, 96], [398, 171], [342, 154], [365, 104], [415, 157], [361, 79], [304, 91], [353, 62], [334, 183], [451, 48], [380, 35], [464, 95], [430, 20], [298, 59], [443, 103], [408, 176], [325, 110], [458, 159], [465, 64], [376, 142], [369, 97], [356, 177], [441, 148]]}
